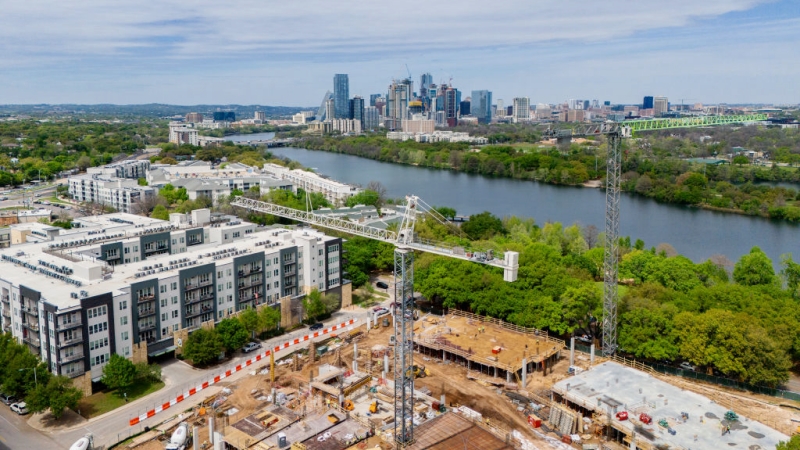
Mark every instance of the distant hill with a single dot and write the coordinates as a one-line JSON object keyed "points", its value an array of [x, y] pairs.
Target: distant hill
{"points": [[149, 110]]}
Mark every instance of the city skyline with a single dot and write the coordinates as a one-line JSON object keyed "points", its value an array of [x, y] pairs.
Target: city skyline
{"points": [[734, 51]]}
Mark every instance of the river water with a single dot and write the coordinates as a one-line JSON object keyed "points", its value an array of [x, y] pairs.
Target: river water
{"points": [[695, 233]]}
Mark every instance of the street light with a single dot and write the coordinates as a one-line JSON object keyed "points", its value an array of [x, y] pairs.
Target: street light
{"points": [[35, 380]]}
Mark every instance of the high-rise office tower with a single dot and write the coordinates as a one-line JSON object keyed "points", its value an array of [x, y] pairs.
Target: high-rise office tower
{"points": [[521, 111], [357, 109], [481, 106], [464, 107], [499, 109], [425, 80], [224, 116], [647, 103], [323, 107], [373, 98], [586, 104], [660, 105], [371, 117], [450, 106], [330, 109], [341, 95], [194, 117], [397, 103]]}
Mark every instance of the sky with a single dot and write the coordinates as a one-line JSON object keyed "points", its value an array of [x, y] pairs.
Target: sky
{"points": [[286, 53]]}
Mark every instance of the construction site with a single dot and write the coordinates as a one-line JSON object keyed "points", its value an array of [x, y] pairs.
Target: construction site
{"points": [[479, 383]]}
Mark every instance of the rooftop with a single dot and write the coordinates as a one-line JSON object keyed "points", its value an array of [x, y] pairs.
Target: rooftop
{"points": [[451, 431], [609, 384]]}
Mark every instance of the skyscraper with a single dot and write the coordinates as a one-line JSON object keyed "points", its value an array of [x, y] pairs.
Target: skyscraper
{"points": [[341, 95], [357, 109], [464, 107], [397, 103], [450, 106], [330, 110], [425, 80], [371, 118], [522, 109], [660, 105], [647, 103], [322, 111], [481, 106], [373, 98]]}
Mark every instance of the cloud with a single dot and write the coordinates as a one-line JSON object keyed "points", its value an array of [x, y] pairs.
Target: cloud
{"points": [[126, 43]]}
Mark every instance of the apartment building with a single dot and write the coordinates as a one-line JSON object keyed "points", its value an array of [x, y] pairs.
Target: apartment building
{"points": [[137, 286], [334, 191], [121, 194], [134, 169]]}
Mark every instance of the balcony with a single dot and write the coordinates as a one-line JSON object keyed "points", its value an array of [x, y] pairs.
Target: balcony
{"points": [[144, 312], [193, 286], [289, 272], [200, 298], [146, 298], [76, 372], [147, 326], [71, 341], [72, 357], [249, 271], [5, 299], [194, 312], [33, 340], [249, 283], [68, 325], [7, 313], [246, 299], [192, 242], [31, 311], [31, 326]]}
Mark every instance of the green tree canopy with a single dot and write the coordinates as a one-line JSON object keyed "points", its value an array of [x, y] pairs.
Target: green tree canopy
{"points": [[754, 268], [483, 226], [203, 346], [119, 372], [232, 334]]}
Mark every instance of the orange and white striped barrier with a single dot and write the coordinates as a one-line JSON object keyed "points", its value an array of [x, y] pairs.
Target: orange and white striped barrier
{"points": [[236, 369]]}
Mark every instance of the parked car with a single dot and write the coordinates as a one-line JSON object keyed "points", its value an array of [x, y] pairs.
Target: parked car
{"points": [[250, 346], [20, 408], [584, 338], [316, 326], [7, 399], [380, 311], [382, 285], [686, 366]]}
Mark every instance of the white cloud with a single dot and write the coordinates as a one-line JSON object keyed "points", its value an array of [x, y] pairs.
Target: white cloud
{"points": [[104, 50]]}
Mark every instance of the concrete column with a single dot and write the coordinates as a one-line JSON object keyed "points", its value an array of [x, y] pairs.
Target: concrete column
{"points": [[591, 355], [368, 323], [495, 371], [211, 428], [274, 394], [355, 366], [386, 362], [524, 372], [195, 437], [508, 376], [572, 351], [355, 357]]}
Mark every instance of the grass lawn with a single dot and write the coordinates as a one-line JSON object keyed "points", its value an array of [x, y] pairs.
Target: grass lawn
{"points": [[56, 200], [105, 401]]}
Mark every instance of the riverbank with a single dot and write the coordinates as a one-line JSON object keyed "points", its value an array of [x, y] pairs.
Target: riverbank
{"points": [[726, 188]]}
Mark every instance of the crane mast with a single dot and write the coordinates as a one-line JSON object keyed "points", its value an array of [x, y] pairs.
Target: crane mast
{"points": [[615, 132], [405, 242]]}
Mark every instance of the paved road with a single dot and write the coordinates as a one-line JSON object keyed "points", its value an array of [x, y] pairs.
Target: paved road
{"points": [[15, 433]]}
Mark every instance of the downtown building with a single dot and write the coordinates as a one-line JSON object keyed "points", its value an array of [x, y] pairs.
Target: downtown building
{"points": [[341, 96], [481, 106], [521, 111], [137, 286]]}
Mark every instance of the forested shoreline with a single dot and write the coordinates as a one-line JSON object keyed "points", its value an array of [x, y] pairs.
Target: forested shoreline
{"points": [[663, 167]]}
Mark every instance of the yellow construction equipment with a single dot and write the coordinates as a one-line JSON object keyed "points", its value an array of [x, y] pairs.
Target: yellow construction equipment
{"points": [[419, 371], [373, 407]]}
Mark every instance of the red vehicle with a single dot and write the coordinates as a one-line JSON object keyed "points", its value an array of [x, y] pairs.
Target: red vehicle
{"points": [[645, 419], [622, 415]]}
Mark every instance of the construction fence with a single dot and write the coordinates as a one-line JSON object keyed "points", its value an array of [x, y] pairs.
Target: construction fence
{"points": [[721, 381]]}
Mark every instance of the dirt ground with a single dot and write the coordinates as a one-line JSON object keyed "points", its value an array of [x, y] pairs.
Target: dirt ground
{"points": [[451, 380]]}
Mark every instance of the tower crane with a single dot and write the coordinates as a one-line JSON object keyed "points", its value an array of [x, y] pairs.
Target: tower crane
{"points": [[405, 242], [615, 132]]}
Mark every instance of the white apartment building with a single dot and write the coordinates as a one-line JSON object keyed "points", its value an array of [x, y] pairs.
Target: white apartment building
{"points": [[137, 286], [121, 194], [334, 191], [216, 188], [521, 111], [419, 126], [135, 169], [180, 134], [346, 126]]}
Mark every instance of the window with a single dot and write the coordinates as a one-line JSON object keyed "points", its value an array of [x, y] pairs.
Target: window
{"points": [[163, 302], [174, 299], [175, 327], [174, 285], [276, 272], [124, 335], [320, 264], [164, 331], [163, 288], [126, 351], [123, 320], [276, 285], [127, 250], [333, 248], [173, 242], [220, 286], [230, 285], [219, 274], [123, 305], [275, 261], [174, 314], [236, 234], [229, 272], [182, 240], [163, 317]]}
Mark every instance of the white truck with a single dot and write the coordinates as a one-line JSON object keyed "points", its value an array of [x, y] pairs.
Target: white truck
{"points": [[180, 438]]}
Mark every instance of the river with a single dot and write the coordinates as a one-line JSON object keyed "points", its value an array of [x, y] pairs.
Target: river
{"points": [[695, 233]]}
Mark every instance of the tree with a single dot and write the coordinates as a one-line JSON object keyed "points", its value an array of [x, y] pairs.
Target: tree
{"points": [[483, 226], [203, 346], [160, 212], [754, 268], [446, 212], [791, 444], [269, 318], [57, 394], [740, 160], [380, 189], [149, 372], [168, 160], [142, 181], [313, 306], [118, 373], [232, 334], [250, 320]]}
